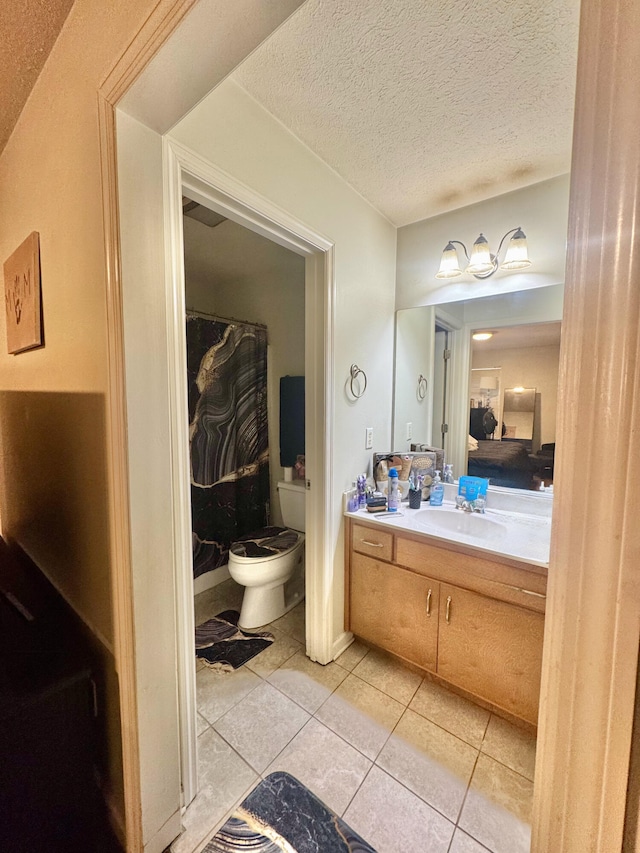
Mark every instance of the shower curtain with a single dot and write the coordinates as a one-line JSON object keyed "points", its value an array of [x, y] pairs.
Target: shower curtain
{"points": [[228, 435]]}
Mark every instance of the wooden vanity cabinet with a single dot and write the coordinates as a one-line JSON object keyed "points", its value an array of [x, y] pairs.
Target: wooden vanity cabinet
{"points": [[395, 609], [492, 649], [483, 633]]}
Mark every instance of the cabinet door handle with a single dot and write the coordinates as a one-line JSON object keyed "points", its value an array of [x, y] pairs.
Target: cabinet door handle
{"points": [[372, 544], [447, 615], [429, 603]]}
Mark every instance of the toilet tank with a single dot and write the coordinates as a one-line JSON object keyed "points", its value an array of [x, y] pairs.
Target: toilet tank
{"points": [[293, 498]]}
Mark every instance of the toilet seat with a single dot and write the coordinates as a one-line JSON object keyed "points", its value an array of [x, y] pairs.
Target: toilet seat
{"points": [[269, 543]]}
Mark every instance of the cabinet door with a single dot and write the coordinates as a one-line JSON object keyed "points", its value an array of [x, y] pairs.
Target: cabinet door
{"points": [[492, 649], [394, 609]]}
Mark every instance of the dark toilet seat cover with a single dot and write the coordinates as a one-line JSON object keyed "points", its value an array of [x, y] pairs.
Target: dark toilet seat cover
{"points": [[268, 542]]}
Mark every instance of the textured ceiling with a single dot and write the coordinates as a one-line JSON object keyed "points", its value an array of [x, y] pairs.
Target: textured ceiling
{"points": [[425, 107], [517, 337], [28, 30]]}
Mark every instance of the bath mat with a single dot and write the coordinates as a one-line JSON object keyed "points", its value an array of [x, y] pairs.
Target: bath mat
{"points": [[280, 814], [223, 646]]}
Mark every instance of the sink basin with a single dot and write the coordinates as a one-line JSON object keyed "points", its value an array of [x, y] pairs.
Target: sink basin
{"points": [[446, 521]]}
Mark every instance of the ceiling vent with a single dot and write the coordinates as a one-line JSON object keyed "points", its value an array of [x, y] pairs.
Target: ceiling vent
{"points": [[201, 213]]}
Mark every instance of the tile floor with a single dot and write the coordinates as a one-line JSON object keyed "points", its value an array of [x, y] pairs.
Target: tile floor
{"points": [[408, 764]]}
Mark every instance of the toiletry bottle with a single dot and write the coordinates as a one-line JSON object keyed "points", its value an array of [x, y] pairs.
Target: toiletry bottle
{"points": [[437, 491], [448, 473], [393, 491], [352, 502], [362, 489]]}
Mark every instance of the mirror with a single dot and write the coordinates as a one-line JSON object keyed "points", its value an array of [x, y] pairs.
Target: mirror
{"points": [[522, 353], [518, 413]]}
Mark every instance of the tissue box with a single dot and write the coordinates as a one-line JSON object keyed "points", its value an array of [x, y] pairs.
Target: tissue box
{"points": [[472, 487]]}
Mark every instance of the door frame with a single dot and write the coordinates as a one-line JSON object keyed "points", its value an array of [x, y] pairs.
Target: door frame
{"points": [[185, 171], [588, 676]]}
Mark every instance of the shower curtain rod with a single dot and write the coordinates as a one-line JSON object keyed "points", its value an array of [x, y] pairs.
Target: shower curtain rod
{"points": [[190, 312]]}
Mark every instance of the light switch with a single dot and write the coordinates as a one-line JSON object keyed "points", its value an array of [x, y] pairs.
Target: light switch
{"points": [[368, 441], [409, 430]]}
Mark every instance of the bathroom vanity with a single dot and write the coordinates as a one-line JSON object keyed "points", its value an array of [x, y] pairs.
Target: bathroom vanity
{"points": [[471, 615]]}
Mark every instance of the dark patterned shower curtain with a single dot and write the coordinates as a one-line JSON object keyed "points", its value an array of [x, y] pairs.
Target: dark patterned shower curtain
{"points": [[228, 435]]}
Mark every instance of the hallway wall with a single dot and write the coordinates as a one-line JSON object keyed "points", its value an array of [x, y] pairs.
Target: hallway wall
{"points": [[50, 182]]}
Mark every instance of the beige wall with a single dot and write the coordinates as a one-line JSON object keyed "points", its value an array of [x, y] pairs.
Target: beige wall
{"points": [[540, 209], [234, 273], [531, 367], [56, 504]]}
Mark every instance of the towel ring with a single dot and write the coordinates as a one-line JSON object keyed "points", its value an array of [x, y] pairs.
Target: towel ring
{"points": [[356, 371], [422, 387]]}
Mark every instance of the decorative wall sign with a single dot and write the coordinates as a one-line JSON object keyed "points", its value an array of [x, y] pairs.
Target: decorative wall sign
{"points": [[22, 296]]}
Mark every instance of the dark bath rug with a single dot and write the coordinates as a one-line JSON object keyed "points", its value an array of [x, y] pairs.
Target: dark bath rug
{"points": [[223, 646], [280, 814]]}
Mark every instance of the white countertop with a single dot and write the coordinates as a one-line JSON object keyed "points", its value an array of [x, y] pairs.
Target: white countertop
{"points": [[522, 536]]}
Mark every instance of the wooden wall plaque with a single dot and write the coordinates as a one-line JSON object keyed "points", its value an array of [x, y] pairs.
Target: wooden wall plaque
{"points": [[22, 296]]}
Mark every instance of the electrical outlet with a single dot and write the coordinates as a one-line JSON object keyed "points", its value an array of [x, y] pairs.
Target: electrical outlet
{"points": [[409, 430], [368, 441]]}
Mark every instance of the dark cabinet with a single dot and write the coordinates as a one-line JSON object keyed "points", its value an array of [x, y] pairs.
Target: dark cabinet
{"points": [[49, 799]]}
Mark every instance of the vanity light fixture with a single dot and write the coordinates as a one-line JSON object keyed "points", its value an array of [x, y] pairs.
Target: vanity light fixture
{"points": [[482, 336], [483, 263]]}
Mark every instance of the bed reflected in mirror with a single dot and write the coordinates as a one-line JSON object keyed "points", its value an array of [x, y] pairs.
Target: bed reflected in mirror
{"points": [[512, 406]]}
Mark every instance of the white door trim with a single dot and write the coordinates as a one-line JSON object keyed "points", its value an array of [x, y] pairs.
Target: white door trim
{"points": [[185, 170]]}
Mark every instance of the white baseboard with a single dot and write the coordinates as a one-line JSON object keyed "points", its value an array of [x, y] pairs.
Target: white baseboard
{"points": [[165, 835], [210, 579], [341, 643]]}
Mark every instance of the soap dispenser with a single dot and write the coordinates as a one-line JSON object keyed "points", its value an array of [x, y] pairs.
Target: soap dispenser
{"points": [[437, 491]]}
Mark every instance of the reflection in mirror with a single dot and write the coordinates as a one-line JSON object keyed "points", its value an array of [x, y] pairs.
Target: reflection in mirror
{"points": [[524, 409], [518, 413], [523, 352]]}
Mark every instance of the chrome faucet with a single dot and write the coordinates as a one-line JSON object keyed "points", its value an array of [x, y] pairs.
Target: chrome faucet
{"points": [[476, 505]]}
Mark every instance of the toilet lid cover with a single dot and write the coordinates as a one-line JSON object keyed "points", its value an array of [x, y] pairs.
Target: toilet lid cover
{"points": [[265, 543]]}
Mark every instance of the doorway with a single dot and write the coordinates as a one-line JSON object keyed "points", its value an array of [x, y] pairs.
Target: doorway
{"points": [[442, 355], [205, 185]]}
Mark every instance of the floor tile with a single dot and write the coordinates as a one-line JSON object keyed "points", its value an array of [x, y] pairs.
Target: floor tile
{"points": [[463, 843], [433, 763], [497, 810], [388, 675], [361, 714], [261, 725], [225, 596], [223, 779], [393, 820], [457, 715], [352, 655], [307, 683], [323, 762], [293, 623], [201, 724], [511, 746], [282, 648], [217, 692]]}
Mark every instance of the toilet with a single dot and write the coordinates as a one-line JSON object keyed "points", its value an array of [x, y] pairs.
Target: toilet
{"points": [[269, 563]]}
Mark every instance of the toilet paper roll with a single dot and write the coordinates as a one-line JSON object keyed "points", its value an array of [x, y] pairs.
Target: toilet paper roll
{"points": [[288, 475]]}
